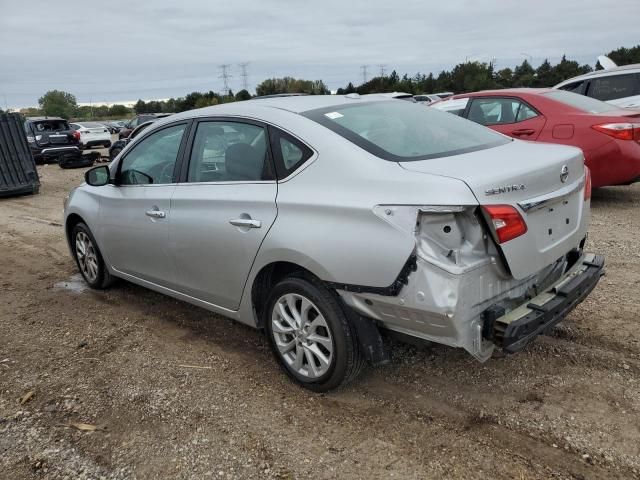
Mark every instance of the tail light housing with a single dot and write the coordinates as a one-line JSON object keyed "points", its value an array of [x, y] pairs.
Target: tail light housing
{"points": [[620, 131], [76, 135], [506, 221], [587, 183]]}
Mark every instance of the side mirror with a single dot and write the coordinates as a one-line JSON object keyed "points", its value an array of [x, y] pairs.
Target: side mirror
{"points": [[97, 176]]}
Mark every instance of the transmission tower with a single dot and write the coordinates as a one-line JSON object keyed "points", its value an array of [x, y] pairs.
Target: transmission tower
{"points": [[225, 76], [364, 72], [382, 67], [244, 75]]}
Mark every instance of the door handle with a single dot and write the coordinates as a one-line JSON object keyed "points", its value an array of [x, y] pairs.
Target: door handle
{"points": [[523, 131], [155, 214], [246, 222]]}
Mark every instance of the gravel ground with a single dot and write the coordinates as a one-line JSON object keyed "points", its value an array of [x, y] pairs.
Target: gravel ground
{"points": [[173, 391]]}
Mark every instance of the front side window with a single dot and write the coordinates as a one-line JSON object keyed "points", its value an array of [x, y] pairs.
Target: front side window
{"points": [[153, 160], [229, 152], [405, 131], [615, 86]]}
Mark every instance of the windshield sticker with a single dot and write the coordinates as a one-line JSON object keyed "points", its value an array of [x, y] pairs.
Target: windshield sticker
{"points": [[333, 115]]}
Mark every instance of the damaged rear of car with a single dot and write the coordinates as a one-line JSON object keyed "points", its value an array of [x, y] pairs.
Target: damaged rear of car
{"points": [[495, 272]]}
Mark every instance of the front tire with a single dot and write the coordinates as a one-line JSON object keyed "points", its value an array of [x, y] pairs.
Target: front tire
{"points": [[310, 335], [88, 258]]}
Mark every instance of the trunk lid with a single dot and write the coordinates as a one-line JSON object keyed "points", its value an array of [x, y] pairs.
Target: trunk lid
{"points": [[531, 178]]}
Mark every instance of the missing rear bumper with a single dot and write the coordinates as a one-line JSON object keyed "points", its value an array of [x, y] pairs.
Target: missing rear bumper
{"points": [[513, 331]]}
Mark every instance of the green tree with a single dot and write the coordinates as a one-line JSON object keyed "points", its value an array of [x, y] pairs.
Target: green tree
{"points": [[56, 103], [625, 56], [524, 75], [569, 68], [140, 107], [273, 86], [118, 111], [545, 75], [243, 95]]}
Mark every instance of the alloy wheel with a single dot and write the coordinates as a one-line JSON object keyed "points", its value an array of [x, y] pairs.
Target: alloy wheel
{"points": [[87, 257], [302, 336]]}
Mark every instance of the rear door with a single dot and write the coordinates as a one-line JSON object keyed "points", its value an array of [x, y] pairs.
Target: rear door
{"points": [[222, 209], [508, 115]]}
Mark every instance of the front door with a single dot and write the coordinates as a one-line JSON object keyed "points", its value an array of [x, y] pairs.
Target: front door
{"points": [[222, 211], [135, 213]]}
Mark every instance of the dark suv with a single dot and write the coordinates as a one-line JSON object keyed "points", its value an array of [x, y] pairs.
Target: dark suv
{"points": [[139, 120], [51, 139]]}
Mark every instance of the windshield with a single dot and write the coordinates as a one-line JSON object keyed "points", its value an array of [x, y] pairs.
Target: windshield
{"points": [[403, 131], [580, 102]]}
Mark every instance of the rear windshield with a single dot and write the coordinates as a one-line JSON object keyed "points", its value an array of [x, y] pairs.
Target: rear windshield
{"points": [[403, 131], [50, 126], [580, 102]]}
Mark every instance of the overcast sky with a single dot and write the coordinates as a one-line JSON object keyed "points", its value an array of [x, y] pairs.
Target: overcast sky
{"points": [[124, 50]]}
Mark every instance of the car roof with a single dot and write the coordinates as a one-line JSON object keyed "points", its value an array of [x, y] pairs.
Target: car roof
{"points": [[504, 92], [294, 104], [602, 73]]}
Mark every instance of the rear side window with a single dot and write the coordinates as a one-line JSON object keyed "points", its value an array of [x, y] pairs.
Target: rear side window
{"points": [[580, 102], [615, 86], [575, 87], [405, 131], [289, 152]]}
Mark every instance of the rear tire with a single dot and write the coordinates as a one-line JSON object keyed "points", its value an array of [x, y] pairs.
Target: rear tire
{"points": [[310, 335], [89, 259]]}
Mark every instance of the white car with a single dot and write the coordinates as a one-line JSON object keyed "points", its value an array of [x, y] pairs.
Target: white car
{"points": [[92, 134], [619, 86], [428, 99]]}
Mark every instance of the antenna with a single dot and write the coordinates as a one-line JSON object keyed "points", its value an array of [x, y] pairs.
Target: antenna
{"points": [[225, 76], [244, 75], [382, 69], [364, 72]]}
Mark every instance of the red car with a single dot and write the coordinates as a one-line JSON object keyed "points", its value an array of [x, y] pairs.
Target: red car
{"points": [[608, 136]]}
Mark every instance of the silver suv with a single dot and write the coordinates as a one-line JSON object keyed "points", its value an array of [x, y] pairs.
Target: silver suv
{"points": [[327, 220]]}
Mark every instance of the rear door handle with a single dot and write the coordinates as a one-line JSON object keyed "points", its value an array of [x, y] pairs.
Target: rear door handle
{"points": [[246, 222], [155, 214], [523, 131]]}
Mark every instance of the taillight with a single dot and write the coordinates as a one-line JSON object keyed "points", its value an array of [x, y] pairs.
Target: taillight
{"points": [[587, 183], [507, 222], [76, 135], [621, 131]]}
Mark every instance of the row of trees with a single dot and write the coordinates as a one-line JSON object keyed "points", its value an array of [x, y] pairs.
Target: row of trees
{"points": [[473, 76], [464, 77]]}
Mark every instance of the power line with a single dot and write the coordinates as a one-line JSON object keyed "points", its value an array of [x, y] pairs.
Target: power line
{"points": [[382, 69], [244, 75], [364, 72], [225, 76]]}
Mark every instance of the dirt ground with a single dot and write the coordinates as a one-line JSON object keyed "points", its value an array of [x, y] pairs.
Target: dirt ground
{"points": [[177, 392]]}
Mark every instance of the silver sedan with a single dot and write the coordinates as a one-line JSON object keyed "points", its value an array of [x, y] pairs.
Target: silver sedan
{"points": [[332, 221]]}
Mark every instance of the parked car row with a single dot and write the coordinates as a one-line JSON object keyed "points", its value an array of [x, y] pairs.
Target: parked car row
{"points": [[435, 228]]}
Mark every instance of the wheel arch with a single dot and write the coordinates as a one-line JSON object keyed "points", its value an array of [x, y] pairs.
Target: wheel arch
{"points": [[266, 278]]}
